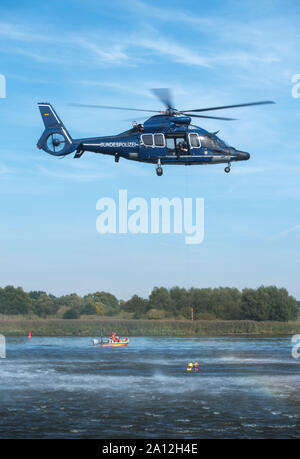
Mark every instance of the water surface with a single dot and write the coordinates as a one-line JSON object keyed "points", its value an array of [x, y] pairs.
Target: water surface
{"points": [[65, 388]]}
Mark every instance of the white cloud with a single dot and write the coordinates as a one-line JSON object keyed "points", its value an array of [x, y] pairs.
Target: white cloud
{"points": [[174, 51], [110, 55], [288, 231], [105, 53], [217, 42]]}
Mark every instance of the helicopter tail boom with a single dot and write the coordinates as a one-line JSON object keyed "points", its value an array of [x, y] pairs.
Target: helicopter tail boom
{"points": [[55, 139]]}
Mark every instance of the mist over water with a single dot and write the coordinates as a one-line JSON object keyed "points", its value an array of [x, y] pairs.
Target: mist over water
{"points": [[64, 387]]}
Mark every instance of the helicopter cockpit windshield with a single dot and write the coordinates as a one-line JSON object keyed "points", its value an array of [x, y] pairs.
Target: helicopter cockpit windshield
{"points": [[212, 142], [221, 142]]}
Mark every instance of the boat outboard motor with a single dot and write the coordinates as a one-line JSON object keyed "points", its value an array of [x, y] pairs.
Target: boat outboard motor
{"points": [[95, 341]]}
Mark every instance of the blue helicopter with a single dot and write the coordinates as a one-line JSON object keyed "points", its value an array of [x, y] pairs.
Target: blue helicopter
{"points": [[166, 138]]}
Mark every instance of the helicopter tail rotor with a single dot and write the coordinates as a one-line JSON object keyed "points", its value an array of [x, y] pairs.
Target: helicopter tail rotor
{"points": [[55, 139]]}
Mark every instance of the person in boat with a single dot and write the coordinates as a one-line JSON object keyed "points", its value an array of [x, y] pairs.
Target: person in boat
{"points": [[189, 367], [114, 338], [111, 338]]}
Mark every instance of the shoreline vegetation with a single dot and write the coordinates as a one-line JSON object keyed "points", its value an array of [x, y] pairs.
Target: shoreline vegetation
{"points": [[91, 327], [166, 312], [224, 303]]}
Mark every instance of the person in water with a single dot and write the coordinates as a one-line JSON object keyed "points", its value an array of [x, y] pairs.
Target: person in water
{"points": [[193, 367], [196, 366]]}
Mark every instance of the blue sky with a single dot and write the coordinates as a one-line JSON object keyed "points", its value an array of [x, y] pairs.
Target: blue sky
{"points": [[209, 53]]}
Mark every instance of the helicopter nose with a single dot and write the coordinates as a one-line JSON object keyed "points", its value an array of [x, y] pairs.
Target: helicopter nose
{"points": [[243, 156]]}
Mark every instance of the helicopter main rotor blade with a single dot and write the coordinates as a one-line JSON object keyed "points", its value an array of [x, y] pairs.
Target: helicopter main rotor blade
{"points": [[210, 117], [230, 106], [115, 108], [164, 95]]}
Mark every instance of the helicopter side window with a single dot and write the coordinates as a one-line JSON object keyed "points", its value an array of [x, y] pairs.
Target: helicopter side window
{"points": [[159, 140], [170, 143], [194, 141], [147, 140]]}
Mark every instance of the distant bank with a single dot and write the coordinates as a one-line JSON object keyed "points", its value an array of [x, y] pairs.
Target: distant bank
{"points": [[92, 327]]}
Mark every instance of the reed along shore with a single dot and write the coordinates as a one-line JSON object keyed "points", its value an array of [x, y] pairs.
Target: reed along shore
{"points": [[130, 327]]}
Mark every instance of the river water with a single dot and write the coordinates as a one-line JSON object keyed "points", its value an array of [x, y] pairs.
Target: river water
{"points": [[66, 388]]}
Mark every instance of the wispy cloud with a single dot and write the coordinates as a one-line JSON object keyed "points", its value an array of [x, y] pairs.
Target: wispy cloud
{"points": [[111, 55], [133, 47], [174, 51], [167, 14], [288, 231], [15, 31], [105, 52]]}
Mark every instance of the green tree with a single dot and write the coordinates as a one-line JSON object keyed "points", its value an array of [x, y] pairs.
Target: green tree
{"points": [[88, 309], [73, 300], [268, 303], [100, 308], [71, 313], [160, 299], [14, 301], [136, 305], [226, 303], [180, 298], [112, 306], [35, 295], [45, 305], [255, 304], [283, 307], [201, 300]]}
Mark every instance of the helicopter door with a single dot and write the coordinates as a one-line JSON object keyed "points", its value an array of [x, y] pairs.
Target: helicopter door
{"points": [[176, 145]]}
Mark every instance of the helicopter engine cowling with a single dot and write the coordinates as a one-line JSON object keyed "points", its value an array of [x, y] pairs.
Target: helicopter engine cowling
{"points": [[181, 120]]}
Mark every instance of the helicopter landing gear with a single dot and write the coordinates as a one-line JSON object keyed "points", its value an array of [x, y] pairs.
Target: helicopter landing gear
{"points": [[227, 168], [117, 157], [159, 169]]}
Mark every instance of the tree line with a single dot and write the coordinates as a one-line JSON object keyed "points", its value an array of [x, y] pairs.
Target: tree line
{"points": [[223, 303]]}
